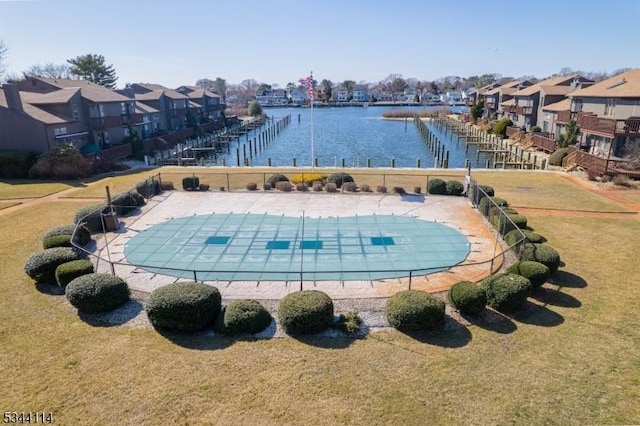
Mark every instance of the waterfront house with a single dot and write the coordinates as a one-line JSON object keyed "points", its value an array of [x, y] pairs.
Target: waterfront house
{"points": [[340, 94], [39, 122], [271, 97], [492, 98], [207, 104], [608, 114], [172, 106], [298, 96], [526, 104], [380, 96], [360, 93]]}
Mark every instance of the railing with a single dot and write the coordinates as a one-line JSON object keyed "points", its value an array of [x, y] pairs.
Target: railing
{"points": [[102, 123], [178, 112], [524, 110], [592, 123], [117, 152], [590, 162], [543, 142], [131, 119], [512, 130], [563, 116]]}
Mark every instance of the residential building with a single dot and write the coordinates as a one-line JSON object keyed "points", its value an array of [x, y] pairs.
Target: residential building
{"points": [[360, 93], [494, 97], [340, 94], [298, 96], [527, 104], [172, 106], [207, 105], [608, 114]]}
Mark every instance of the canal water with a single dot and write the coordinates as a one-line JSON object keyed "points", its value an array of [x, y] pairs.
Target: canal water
{"points": [[354, 135]]}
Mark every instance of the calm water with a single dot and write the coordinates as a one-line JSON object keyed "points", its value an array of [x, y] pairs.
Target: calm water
{"points": [[354, 134]]}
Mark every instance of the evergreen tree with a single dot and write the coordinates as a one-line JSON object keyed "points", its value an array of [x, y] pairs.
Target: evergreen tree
{"points": [[93, 68]]}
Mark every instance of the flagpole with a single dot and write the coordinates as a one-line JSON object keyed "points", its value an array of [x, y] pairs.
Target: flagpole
{"points": [[313, 163]]}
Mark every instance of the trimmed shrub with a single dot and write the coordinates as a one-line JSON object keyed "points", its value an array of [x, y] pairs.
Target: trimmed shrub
{"points": [[137, 199], [16, 164], [205, 187], [183, 306], [514, 236], [504, 226], [349, 323], [381, 189], [501, 127], [267, 187], [417, 189], [485, 204], [91, 216], [252, 186], [398, 190], [82, 237], [149, 187], [57, 241], [365, 188], [414, 310], [308, 178], [542, 253], [555, 159], [191, 183], [244, 317], [41, 266], [506, 292], [124, 203], [436, 187], [535, 272], [349, 187], [302, 187], [274, 179], [62, 162], [331, 187], [468, 298], [317, 186], [69, 271], [307, 311], [284, 186], [488, 190], [454, 187], [95, 293], [339, 178], [167, 186], [536, 129]]}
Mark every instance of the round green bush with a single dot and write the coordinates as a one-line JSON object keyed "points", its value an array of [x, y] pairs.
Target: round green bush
{"points": [[505, 226], [244, 317], [506, 292], [477, 195], [468, 298], [542, 253], [555, 159], [191, 183], [82, 234], [41, 266], [339, 179], [69, 271], [123, 203], [57, 241], [305, 312], [138, 200], [487, 203], [95, 293], [91, 216], [274, 179], [414, 310], [535, 272], [183, 306], [436, 186], [454, 187], [514, 236]]}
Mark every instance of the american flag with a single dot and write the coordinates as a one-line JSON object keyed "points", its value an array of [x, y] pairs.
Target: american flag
{"points": [[308, 81]]}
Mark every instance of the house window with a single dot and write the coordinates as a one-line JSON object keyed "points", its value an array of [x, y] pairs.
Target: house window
{"points": [[58, 131], [75, 112], [126, 132], [609, 107]]}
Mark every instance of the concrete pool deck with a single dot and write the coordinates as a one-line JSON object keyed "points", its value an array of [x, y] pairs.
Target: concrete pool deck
{"points": [[454, 212]]}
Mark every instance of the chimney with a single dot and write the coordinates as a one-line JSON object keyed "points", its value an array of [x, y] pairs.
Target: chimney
{"points": [[12, 95]]}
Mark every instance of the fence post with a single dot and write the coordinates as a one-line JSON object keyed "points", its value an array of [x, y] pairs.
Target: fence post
{"points": [[410, 276]]}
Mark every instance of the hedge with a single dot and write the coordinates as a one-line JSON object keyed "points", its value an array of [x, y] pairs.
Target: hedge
{"points": [[41, 266], [339, 178], [91, 216], [307, 311], [244, 317], [504, 226], [95, 293], [82, 235], [436, 187], [183, 306], [191, 183], [488, 190], [16, 164], [274, 179], [506, 292], [555, 159], [57, 241], [467, 297], [148, 188], [414, 310], [454, 187], [124, 203], [69, 271], [535, 272], [542, 253], [486, 203], [514, 236], [308, 178]]}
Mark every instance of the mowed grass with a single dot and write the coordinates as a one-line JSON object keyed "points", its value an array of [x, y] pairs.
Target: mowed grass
{"points": [[7, 204], [572, 358], [14, 188]]}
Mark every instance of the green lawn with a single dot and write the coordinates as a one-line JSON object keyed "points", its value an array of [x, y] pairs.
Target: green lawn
{"points": [[572, 358], [11, 189]]}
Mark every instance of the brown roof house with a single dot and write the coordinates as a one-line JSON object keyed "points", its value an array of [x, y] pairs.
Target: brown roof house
{"points": [[494, 97], [109, 117], [39, 122], [608, 114], [172, 106], [528, 102], [206, 105]]}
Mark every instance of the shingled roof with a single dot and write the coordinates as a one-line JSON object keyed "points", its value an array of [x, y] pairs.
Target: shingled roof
{"points": [[625, 85]]}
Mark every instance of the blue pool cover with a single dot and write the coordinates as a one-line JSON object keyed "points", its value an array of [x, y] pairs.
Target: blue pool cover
{"points": [[251, 247]]}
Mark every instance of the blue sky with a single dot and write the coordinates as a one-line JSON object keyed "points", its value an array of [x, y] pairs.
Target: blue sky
{"points": [[177, 42]]}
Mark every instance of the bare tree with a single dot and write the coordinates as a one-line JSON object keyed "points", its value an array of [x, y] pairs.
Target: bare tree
{"points": [[205, 83], [48, 70], [3, 58]]}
